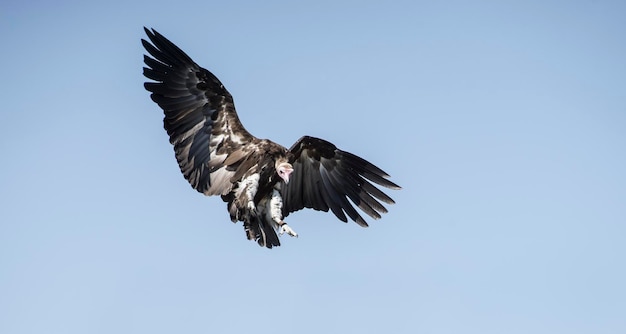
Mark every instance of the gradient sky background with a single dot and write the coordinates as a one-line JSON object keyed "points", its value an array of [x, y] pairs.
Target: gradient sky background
{"points": [[505, 123]]}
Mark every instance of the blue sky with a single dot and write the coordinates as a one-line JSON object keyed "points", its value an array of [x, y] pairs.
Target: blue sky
{"points": [[505, 123]]}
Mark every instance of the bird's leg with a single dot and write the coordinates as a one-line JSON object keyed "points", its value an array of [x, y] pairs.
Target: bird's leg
{"points": [[250, 185], [276, 211]]}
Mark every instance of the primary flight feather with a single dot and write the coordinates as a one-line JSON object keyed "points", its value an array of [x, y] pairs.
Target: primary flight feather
{"points": [[261, 181]]}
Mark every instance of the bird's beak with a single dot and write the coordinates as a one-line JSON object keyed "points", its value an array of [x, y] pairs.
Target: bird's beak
{"points": [[286, 174]]}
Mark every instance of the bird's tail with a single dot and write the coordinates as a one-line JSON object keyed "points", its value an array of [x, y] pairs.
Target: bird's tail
{"points": [[258, 226], [260, 230]]}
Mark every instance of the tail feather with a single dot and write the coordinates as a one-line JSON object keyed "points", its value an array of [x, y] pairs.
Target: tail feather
{"points": [[259, 230], [257, 226]]}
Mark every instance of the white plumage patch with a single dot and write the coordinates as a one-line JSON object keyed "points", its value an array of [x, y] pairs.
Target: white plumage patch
{"points": [[248, 186], [276, 207]]}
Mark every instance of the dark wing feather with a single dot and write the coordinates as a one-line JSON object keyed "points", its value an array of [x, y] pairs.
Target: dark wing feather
{"points": [[325, 177], [200, 115]]}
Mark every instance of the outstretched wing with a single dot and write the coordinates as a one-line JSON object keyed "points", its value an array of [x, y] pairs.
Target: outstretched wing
{"points": [[325, 177], [200, 115]]}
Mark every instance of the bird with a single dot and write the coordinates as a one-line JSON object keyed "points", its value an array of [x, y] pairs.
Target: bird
{"points": [[260, 181]]}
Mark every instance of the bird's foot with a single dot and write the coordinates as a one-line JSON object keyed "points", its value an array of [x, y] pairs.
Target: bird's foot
{"points": [[284, 228], [252, 207]]}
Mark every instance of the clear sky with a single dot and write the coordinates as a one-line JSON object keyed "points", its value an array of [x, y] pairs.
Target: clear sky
{"points": [[504, 121]]}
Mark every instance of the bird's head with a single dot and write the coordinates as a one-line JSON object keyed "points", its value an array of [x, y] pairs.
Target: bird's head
{"points": [[284, 169]]}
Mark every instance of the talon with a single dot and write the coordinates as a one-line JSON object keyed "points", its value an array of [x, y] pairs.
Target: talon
{"points": [[252, 207], [285, 228]]}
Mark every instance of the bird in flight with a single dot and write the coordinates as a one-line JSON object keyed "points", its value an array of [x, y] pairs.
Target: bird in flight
{"points": [[261, 181]]}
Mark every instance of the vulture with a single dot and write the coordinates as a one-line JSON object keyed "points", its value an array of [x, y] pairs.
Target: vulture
{"points": [[261, 181]]}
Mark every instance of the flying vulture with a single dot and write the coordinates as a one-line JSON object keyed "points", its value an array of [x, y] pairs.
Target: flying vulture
{"points": [[261, 181]]}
